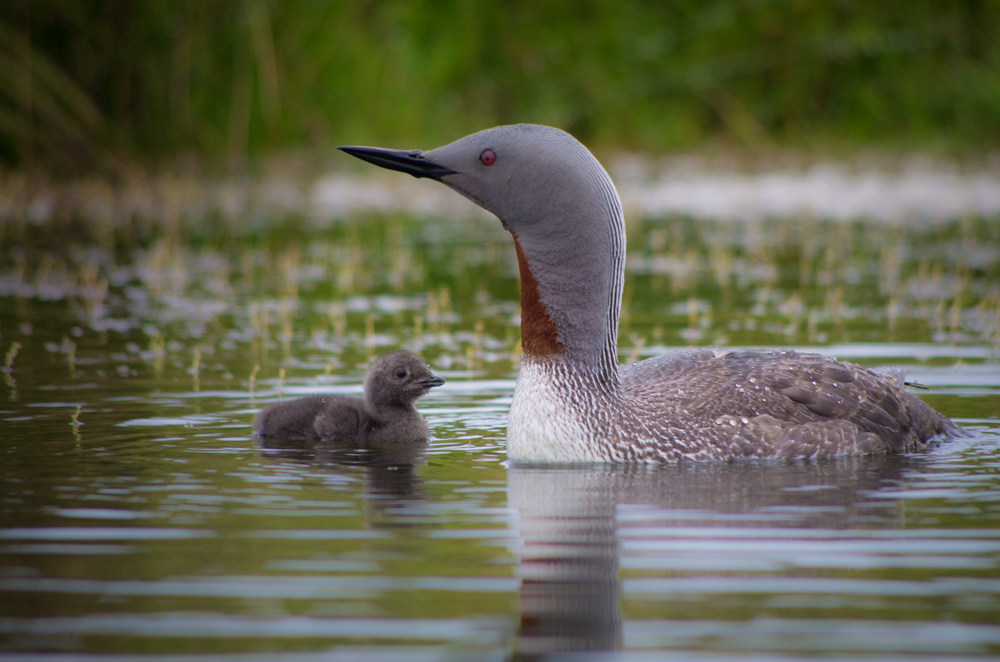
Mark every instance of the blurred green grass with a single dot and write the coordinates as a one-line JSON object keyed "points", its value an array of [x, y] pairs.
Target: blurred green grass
{"points": [[109, 84]]}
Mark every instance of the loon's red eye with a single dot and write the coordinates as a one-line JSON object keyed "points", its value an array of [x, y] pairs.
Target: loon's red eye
{"points": [[488, 158]]}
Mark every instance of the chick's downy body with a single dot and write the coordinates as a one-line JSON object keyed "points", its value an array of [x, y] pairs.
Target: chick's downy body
{"points": [[386, 413]]}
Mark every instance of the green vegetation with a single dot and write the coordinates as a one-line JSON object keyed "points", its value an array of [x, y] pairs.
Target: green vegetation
{"points": [[108, 84], [218, 303]]}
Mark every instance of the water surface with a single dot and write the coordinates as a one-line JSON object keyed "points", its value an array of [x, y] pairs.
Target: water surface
{"points": [[140, 520]]}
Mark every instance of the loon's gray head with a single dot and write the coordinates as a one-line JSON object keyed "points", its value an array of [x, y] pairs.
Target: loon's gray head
{"points": [[562, 209]]}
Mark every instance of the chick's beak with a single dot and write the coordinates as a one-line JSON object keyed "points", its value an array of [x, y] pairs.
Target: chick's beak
{"points": [[432, 381]]}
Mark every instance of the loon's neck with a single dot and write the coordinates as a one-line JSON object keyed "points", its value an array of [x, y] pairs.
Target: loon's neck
{"points": [[571, 291]]}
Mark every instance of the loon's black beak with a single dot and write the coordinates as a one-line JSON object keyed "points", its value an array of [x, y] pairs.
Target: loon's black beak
{"points": [[432, 381], [411, 162]]}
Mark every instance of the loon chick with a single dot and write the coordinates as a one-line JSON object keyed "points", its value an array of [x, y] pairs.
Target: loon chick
{"points": [[572, 401], [386, 414]]}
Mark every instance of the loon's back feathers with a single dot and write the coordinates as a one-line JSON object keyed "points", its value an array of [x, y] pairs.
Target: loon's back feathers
{"points": [[779, 403]]}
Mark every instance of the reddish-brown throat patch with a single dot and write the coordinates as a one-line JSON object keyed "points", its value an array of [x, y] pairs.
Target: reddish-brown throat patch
{"points": [[539, 336]]}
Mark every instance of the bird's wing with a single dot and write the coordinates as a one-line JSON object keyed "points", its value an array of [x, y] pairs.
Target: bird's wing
{"points": [[343, 419], [792, 401]]}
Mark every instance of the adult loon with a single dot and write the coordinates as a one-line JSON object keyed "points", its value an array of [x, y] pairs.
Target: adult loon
{"points": [[572, 401], [385, 415]]}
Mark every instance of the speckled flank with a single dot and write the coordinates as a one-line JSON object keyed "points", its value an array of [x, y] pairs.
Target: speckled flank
{"points": [[709, 404], [712, 403]]}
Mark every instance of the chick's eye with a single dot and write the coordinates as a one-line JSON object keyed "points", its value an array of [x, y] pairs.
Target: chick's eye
{"points": [[488, 158], [400, 373]]}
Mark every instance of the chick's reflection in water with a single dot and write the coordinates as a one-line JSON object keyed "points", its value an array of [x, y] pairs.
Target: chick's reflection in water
{"points": [[388, 470], [570, 520]]}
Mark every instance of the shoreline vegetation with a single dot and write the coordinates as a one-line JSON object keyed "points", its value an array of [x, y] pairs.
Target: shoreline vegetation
{"points": [[115, 87], [722, 185]]}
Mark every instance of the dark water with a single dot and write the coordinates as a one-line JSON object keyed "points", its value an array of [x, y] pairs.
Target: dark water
{"points": [[139, 520]]}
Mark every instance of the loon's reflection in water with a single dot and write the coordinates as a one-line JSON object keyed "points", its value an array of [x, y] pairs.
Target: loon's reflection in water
{"points": [[570, 522], [592, 539]]}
